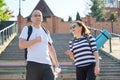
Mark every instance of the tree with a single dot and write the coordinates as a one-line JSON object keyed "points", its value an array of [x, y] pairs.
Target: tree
{"points": [[112, 16], [62, 20], [5, 13], [69, 19], [78, 16], [98, 9]]}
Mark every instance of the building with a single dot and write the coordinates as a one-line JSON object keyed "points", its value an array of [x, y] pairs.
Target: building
{"points": [[55, 25], [112, 6], [43, 7], [52, 22], [111, 3]]}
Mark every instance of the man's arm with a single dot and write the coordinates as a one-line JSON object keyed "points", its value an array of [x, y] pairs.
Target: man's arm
{"points": [[53, 55], [25, 44]]}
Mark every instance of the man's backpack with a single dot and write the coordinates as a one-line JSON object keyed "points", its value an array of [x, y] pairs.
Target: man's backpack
{"points": [[29, 34]]}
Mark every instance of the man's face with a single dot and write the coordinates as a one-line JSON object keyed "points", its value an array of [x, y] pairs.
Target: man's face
{"points": [[36, 17]]}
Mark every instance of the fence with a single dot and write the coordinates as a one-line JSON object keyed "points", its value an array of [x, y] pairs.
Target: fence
{"points": [[7, 32], [6, 35], [111, 45]]}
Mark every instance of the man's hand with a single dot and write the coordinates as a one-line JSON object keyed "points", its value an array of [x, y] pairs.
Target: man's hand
{"points": [[38, 39]]}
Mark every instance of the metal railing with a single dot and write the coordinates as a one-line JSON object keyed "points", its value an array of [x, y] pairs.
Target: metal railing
{"points": [[7, 32], [96, 32]]}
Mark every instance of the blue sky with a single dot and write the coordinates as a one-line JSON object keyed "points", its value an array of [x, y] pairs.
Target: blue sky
{"points": [[61, 8]]}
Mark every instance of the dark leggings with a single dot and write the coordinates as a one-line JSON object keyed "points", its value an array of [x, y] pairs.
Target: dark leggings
{"points": [[86, 72], [38, 71]]}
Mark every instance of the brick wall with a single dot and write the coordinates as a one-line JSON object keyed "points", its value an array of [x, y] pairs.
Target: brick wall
{"points": [[55, 25]]}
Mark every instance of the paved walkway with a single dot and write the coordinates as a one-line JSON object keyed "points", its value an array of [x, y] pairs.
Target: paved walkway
{"points": [[23, 63], [115, 42], [12, 63]]}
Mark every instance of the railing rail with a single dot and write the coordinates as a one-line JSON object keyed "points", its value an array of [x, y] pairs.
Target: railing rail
{"points": [[7, 32], [6, 35], [95, 32], [117, 35]]}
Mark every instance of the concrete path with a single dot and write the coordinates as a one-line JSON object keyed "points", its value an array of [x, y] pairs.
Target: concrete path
{"points": [[115, 42], [23, 63]]}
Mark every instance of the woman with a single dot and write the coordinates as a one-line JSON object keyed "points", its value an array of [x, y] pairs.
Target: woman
{"points": [[84, 52]]}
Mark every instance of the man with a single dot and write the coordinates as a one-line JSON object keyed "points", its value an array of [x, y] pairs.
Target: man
{"points": [[40, 50]]}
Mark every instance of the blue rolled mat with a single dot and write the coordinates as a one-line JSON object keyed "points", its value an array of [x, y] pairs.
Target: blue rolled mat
{"points": [[102, 38]]}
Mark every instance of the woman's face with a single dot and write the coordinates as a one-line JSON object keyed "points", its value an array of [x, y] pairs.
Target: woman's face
{"points": [[75, 29]]}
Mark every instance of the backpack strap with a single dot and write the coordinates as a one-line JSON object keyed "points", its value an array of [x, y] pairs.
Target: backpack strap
{"points": [[88, 40], [29, 32], [72, 42], [46, 31]]}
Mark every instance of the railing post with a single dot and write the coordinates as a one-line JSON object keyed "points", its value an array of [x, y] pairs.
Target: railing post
{"points": [[2, 37], [6, 34], [112, 26], [110, 45], [95, 31]]}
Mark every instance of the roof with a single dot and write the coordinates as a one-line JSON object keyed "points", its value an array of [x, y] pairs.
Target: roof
{"points": [[44, 8]]}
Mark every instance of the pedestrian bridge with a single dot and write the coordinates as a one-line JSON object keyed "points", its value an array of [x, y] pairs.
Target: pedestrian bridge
{"points": [[12, 62]]}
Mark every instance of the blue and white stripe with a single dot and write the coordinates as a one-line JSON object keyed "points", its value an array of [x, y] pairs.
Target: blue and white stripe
{"points": [[82, 51]]}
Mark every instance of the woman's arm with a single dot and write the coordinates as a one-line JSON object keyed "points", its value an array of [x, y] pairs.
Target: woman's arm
{"points": [[97, 65]]}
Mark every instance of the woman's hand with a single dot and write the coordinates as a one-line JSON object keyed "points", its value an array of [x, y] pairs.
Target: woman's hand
{"points": [[70, 54], [97, 70]]}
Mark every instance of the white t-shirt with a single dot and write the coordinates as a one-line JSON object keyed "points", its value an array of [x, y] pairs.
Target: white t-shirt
{"points": [[39, 51]]}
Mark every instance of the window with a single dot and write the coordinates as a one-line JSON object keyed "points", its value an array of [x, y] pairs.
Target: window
{"points": [[111, 3]]}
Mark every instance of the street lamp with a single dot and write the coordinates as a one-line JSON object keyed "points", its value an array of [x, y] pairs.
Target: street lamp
{"points": [[19, 8], [112, 26], [19, 19]]}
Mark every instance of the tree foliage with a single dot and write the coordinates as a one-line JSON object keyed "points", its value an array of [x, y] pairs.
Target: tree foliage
{"points": [[5, 13], [112, 16], [62, 20], [98, 9], [78, 16], [69, 19]]}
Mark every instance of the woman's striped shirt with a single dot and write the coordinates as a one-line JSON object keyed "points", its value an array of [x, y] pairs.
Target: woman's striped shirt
{"points": [[83, 51]]}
